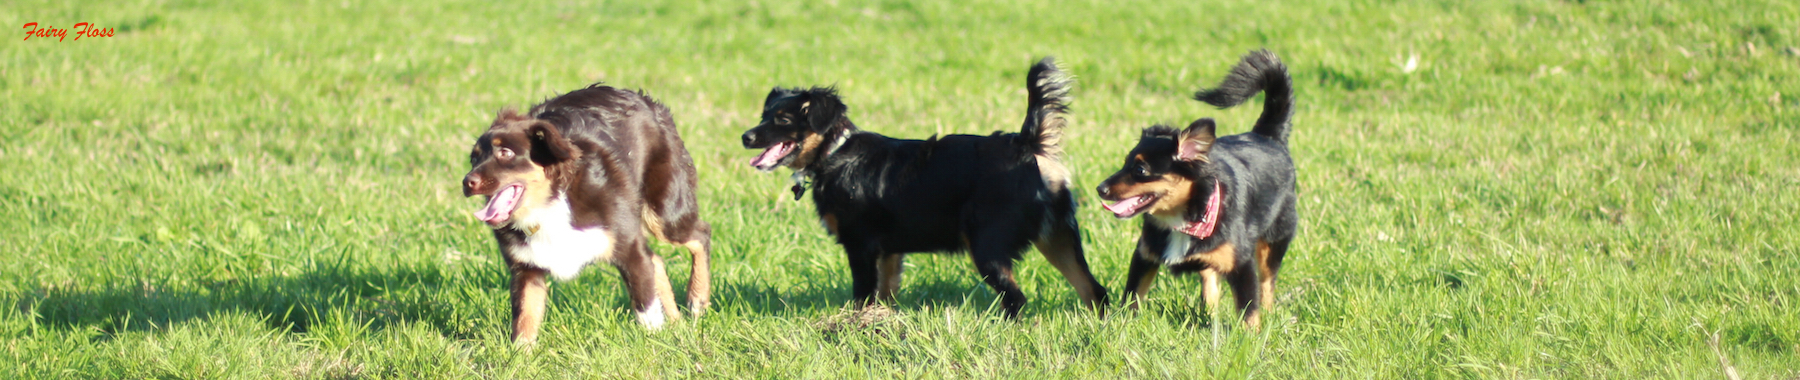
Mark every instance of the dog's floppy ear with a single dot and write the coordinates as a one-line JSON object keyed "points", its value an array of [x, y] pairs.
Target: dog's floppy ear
{"points": [[823, 110], [548, 146], [1196, 141]]}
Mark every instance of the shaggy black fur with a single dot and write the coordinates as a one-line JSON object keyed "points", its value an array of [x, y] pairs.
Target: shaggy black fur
{"points": [[882, 197]]}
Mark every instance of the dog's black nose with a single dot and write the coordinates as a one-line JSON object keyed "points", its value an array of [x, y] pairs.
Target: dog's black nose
{"points": [[1104, 192], [749, 139]]}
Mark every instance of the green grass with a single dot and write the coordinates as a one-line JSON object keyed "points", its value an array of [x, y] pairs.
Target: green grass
{"points": [[1558, 190]]}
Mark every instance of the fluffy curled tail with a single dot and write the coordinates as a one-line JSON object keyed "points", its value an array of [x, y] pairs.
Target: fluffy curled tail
{"points": [[1261, 71], [1049, 88]]}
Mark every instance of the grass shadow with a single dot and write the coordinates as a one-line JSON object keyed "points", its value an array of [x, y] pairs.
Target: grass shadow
{"points": [[291, 303], [762, 298]]}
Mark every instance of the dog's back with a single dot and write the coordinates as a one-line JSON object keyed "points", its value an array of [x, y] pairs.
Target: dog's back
{"points": [[629, 127], [1258, 162], [918, 195]]}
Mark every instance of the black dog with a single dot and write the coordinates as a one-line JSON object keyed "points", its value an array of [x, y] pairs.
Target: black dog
{"points": [[584, 178], [884, 197], [1217, 206]]}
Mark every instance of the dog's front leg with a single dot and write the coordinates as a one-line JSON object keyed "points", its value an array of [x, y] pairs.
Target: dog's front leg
{"points": [[1138, 280], [865, 273], [1246, 286], [529, 292], [1209, 287]]}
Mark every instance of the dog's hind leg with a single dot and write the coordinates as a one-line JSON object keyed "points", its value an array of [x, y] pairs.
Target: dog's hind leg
{"points": [[1062, 247], [888, 268], [695, 235], [1268, 258], [529, 292], [994, 251], [700, 279], [999, 275], [865, 272], [1271, 249]]}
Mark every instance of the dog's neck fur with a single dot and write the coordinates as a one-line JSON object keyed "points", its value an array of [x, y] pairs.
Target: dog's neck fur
{"points": [[839, 134], [1197, 174]]}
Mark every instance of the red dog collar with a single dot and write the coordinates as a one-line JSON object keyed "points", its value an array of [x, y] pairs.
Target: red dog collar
{"points": [[1204, 228]]}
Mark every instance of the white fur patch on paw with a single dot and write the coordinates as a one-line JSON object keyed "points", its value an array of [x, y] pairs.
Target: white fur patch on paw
{"points": [[652, 316]]}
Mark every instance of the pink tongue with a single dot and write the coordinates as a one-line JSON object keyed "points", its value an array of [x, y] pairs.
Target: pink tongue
{"points": [[773, 155], [500, 206], [1124, 207]]}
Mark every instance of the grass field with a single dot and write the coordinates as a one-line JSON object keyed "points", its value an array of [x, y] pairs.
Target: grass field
{"points": [[1539, 189]]}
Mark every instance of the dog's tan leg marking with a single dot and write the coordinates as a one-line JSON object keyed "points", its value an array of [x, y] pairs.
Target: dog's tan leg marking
{"points": [[1060, 250], [700, 281], [1219, 262], [529, 292], [653, 225], [664, 292], [888, 271], [1209, 280], [1265, 284], [830, 222], [1142, 293]]}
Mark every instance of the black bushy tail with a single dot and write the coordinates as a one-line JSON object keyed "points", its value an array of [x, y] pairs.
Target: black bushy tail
{"points": [[1049, 88], [1262, 71]]}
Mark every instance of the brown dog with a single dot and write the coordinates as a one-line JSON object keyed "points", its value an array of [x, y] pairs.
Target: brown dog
{"points": [[584, 178]]}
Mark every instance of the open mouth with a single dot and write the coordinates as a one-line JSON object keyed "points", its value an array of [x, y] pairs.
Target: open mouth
{"points": [[500, 205], [1129, 207], [772, 157]]}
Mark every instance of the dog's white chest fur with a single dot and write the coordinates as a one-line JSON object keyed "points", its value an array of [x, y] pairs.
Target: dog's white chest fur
{"points": [[556, 245], [1177, 249]]}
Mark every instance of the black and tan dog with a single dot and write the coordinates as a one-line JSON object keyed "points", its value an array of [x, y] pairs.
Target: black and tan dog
{"points": [[1219, 206], [882, 197], [587, 177]]}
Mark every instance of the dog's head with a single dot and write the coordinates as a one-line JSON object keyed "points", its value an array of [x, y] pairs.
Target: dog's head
{"points": [[515, 164], [793, 127], [1159, 174]]}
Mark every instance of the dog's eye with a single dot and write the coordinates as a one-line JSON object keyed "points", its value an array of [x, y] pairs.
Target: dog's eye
{"points": [[1144, 170], [503, 153], [782, 121]]}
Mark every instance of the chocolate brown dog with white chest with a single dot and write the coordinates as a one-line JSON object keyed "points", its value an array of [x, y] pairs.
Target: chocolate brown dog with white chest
{"points": [[1220, 206], [588, 177]]}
